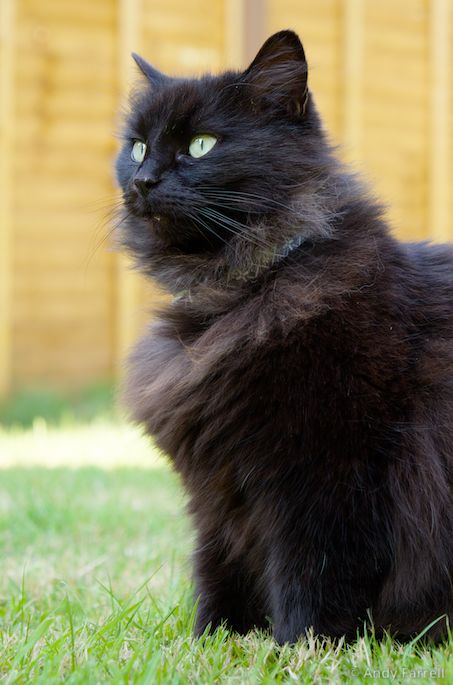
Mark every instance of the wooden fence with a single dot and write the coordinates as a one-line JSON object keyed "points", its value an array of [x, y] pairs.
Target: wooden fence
{"points": [[69, 308]]}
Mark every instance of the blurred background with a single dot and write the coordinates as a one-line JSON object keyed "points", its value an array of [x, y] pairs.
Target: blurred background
{"points": [[69, 306]]}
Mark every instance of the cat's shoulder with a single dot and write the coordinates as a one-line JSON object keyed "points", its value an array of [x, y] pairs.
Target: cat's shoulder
{"points": [[431, 258]]}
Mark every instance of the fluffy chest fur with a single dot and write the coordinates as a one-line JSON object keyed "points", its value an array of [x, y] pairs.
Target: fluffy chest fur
{"points": [[258, 401]]}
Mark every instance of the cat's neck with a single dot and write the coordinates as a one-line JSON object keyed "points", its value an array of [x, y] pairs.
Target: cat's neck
{"points": [[330, 211]]}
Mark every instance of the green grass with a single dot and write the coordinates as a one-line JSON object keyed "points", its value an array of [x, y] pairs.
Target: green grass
{"points": [[57, 407], [95, 582]]}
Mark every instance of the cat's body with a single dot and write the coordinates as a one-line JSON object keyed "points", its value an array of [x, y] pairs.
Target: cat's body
{"points": [[302, 384]]}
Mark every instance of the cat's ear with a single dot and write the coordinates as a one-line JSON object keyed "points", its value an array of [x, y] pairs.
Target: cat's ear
{"points": [[279, 72], [156, 78]]}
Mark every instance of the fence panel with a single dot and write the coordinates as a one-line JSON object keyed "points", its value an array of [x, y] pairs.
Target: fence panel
{"points": [[382, 77]]}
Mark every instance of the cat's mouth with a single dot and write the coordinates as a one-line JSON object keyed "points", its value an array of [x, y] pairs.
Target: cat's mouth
{"points": [[155, 209], [153, 214]]}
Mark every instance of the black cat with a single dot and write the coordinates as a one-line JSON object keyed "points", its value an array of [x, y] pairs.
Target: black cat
{"points": [[301, 380]]}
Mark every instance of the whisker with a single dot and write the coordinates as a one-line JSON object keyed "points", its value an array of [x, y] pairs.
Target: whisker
{"points": [[244, 229], [194, 221], [101, 241], [205, 225], [243, 196], [229, 205], [223, 225], [230, 225]]}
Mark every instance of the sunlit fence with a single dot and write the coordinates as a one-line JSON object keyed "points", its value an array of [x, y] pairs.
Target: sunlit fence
{"points": [[382, 77]]}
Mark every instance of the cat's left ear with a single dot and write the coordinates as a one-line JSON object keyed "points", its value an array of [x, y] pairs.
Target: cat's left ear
{"points": [[155, 77], [279, 73]]}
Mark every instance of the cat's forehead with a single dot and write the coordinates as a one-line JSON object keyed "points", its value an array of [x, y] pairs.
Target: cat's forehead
{"points": [[181, 102]]}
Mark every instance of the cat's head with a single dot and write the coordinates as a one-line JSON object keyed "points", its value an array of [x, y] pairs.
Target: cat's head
{"points": [[205, 161]]}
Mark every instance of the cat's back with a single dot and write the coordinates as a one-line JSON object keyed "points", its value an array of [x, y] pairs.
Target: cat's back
{"points": [[431, 276], [429, 284]]}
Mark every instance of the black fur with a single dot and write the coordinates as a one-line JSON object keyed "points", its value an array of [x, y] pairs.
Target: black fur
{"points": [[306, 400]]}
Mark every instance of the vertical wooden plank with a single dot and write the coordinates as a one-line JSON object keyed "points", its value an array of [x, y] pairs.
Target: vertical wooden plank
{"points": [[7, 20], [234, 33], [352, 76], [128, 284], [245, 26], [440, 136]]}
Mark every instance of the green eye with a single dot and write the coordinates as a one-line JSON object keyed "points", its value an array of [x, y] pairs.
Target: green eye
{"points": [[201, 144], [138, 151]]}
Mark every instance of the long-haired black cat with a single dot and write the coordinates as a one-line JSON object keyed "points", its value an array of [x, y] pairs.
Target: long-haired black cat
{"points": [[301, 380]]}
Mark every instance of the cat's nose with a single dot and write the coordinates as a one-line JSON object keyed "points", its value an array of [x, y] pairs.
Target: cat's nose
{"points": [[143, 185]]}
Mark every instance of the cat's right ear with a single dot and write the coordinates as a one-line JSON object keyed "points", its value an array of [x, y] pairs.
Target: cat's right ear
{"points": [[156, 78]]}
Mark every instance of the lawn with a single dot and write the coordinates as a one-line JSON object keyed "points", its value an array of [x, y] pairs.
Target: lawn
{"points": [[95, 583]]}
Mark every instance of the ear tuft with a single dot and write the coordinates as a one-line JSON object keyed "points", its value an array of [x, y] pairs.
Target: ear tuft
{"points": [[155, 77], [279, 73]]}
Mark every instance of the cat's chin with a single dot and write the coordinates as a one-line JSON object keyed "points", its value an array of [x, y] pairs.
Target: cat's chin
{"points": [[169, 234], [155, 221]]}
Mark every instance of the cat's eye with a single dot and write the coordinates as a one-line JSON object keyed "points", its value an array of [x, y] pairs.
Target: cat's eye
{"points": [[200, 145], [138, 151]]}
